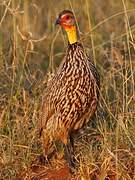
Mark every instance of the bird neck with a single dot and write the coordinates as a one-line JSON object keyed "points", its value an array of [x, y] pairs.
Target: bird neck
{"points": [[72, 34]]}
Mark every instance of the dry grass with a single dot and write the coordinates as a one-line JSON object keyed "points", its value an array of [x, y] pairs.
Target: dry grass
{"points": [[31, 47]]}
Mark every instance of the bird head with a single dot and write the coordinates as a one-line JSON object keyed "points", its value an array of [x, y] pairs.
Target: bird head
{"points": [[67, 21]]}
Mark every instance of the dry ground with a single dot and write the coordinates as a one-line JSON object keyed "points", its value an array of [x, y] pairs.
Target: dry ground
{"points": [[31, 48]]}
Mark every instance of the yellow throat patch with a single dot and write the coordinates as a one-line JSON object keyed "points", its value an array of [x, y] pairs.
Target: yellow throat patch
{"points": [[71, 33]]}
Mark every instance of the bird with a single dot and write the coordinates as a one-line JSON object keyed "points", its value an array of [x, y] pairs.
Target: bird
{"points": [[71, 96]]}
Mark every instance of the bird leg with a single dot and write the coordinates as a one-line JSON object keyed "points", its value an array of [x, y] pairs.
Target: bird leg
{"points": [[69, 153], [45, 159]]}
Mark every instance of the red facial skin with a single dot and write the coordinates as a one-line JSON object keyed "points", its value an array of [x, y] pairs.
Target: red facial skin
{"points": [[67, 21]]}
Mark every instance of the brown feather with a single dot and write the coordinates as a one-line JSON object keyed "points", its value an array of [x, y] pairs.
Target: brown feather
{"points": [[71, 97]]}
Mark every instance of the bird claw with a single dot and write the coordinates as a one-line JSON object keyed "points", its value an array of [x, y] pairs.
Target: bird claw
{"points": [[72, 167], [43, 160]]}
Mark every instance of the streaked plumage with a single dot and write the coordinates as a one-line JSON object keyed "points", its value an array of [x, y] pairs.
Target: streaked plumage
{"points": [[71, 97]]}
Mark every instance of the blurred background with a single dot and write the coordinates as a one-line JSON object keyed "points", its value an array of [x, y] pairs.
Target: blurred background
{"points": [[31, 49]]}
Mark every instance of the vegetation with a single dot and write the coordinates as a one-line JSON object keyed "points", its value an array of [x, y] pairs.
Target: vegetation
{"points": [[31, 48]]}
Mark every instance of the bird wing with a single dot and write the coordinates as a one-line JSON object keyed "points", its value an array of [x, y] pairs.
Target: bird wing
{"points": [[49, 102], [47, 109], [94, 70]]}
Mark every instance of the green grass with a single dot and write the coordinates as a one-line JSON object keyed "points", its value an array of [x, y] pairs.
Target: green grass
{"points": [[31, 47]]}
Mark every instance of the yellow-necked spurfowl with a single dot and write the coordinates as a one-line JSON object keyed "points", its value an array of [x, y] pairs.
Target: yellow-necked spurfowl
{"points": [[72, 95]]}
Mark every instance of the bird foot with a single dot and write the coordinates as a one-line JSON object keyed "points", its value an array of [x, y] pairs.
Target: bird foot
{"points": [[43, 160], [73, 165]]}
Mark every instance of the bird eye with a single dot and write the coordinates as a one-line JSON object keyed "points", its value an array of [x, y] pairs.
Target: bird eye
{"points": [[67, 17]]}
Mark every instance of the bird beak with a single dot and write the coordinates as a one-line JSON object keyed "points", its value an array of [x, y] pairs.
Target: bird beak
{"points": [[57, 21]]}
